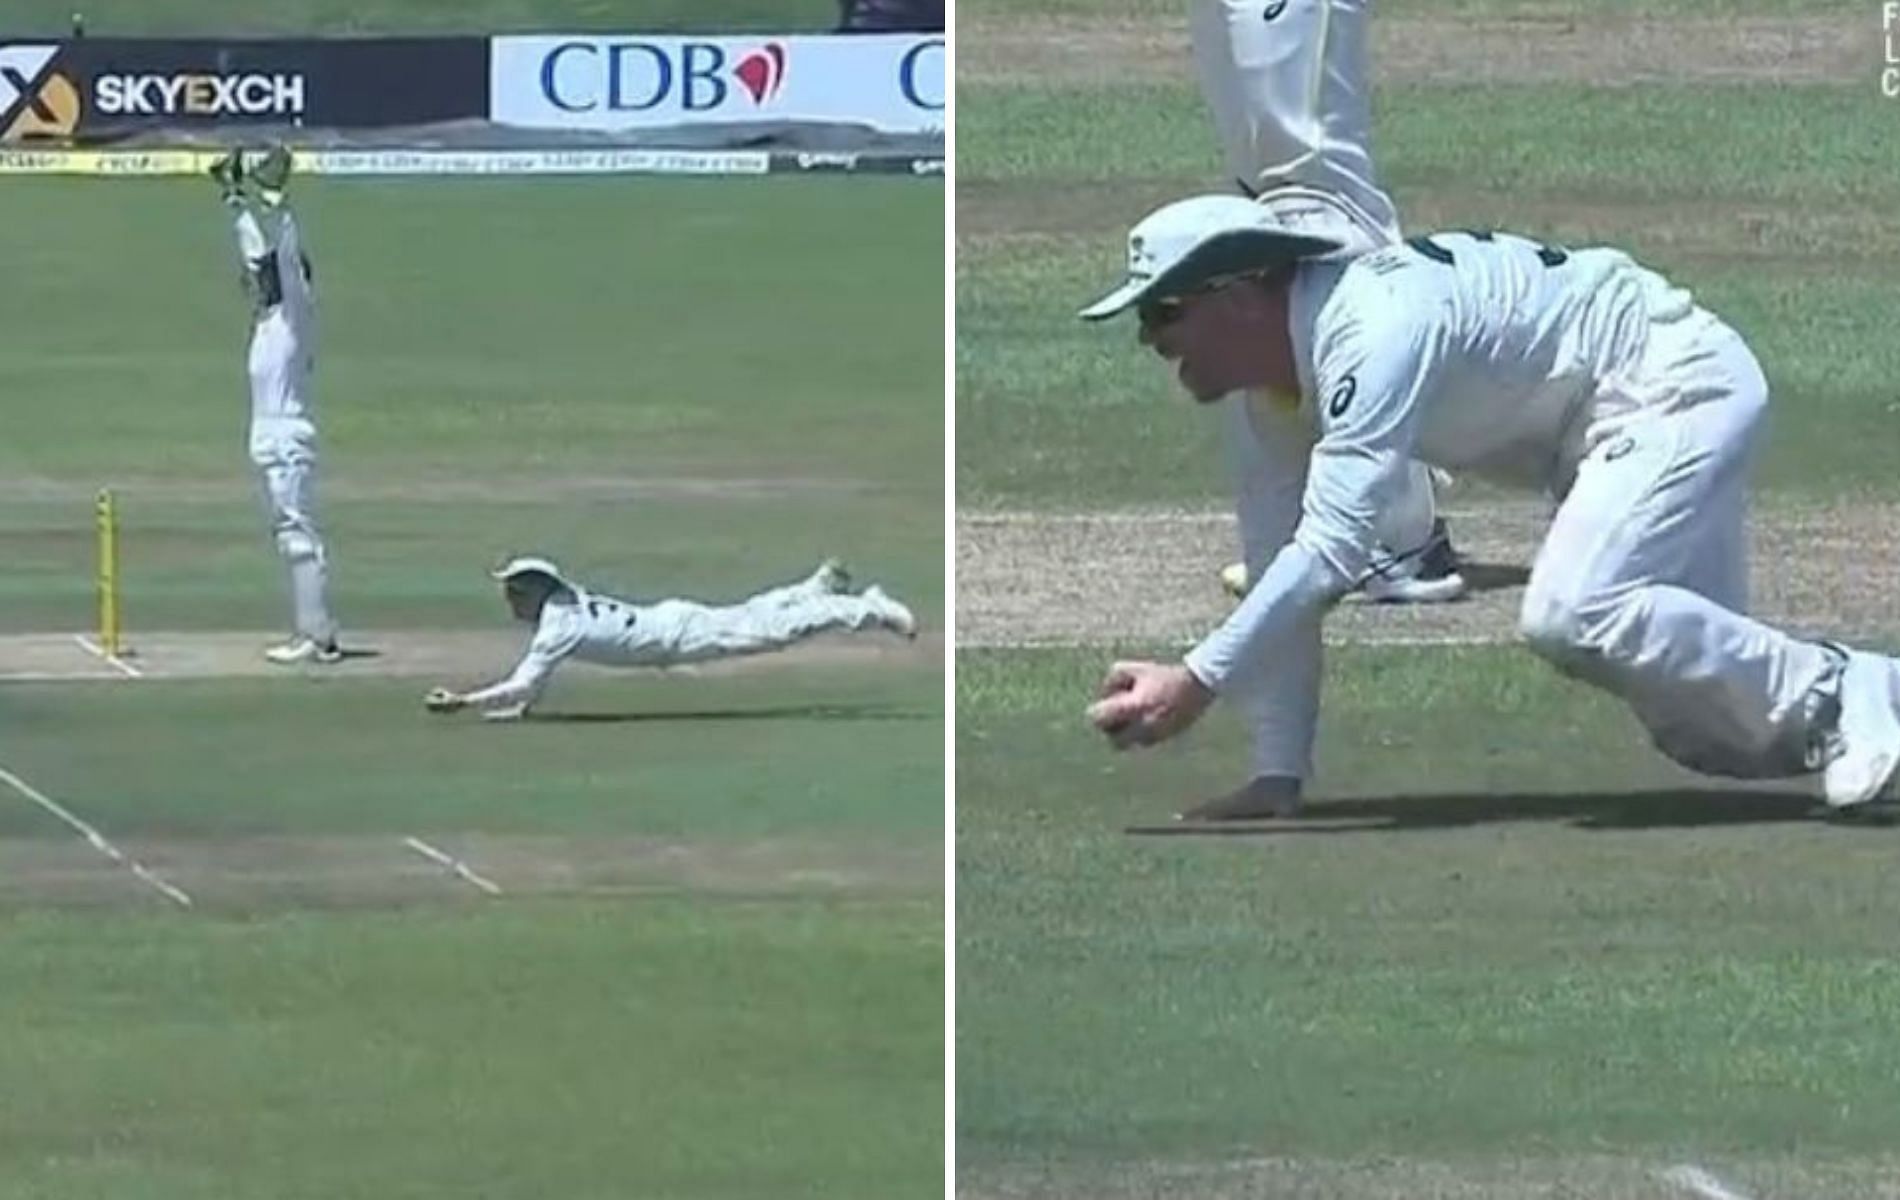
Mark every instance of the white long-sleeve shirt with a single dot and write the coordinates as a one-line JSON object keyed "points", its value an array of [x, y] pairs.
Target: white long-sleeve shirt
{"points": [[579, 624], [1480, 353]]}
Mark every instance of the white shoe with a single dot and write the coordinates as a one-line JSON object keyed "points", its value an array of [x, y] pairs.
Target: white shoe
{"points": [[1863, 750], [897, 618], [1427, 576], [511, 712], [303, 650], [1430, 576], [832, 577], [1403, 589]]}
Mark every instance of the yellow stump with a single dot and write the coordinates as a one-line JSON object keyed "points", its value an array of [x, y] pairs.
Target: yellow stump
{"points": [[108, 521]]}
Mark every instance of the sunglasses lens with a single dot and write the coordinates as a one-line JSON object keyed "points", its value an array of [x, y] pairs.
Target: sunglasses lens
{"points": [[1156, 313]]}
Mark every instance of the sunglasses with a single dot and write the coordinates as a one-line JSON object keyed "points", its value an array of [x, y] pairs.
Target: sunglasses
{"points": [[1162, 311]]}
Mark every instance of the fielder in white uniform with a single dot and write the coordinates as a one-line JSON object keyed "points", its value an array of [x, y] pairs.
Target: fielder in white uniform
{"points": [[283, 437], [1578, 373], [1288, 87], [571, 622]]}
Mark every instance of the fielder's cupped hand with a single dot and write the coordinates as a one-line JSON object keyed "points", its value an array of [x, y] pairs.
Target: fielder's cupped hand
{"points": [[1146, 703], [441, 700]]}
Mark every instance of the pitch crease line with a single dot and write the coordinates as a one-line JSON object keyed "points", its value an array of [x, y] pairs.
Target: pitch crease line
{"points": [[95, 838], [1703, 1184], [455, 865], [97, 651]]}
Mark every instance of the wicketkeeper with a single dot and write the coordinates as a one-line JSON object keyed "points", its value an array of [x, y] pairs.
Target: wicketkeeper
{"points": [[283, 437], [1576, 373], [572, 622]]}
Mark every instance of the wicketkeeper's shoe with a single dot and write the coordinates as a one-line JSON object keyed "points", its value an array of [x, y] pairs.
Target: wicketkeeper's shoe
{"points": [[1862, 751], [303, 650], [896, 617]]}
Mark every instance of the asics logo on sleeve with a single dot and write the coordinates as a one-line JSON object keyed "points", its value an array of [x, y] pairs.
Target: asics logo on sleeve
{"points": [[1342, 397]]}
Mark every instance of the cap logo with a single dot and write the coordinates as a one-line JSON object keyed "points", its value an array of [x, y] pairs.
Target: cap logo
{"points": [[1141, 260]]}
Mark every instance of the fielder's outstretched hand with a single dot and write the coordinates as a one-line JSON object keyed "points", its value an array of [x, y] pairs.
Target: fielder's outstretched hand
{"points": [[1146, 703], [442, 700]]}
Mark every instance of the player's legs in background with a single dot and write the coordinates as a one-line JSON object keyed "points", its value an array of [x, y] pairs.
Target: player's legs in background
{"points": [[289, 486], [1288, 86], [284, 450]]}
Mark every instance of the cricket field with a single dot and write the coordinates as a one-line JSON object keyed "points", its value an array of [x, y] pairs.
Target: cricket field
{"points": [[1510, 952], [692, 945]]}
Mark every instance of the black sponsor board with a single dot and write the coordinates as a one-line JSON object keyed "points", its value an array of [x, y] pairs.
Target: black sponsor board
{"points": [[845, 162], [96, 89]]}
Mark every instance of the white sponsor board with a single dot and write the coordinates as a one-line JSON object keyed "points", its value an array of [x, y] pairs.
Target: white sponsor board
{"points": [[891, 82]]}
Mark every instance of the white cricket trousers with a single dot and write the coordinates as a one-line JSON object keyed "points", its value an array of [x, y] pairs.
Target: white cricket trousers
{"points": [[1641, 584], [771, 620], [284, 451], [1287, 83]]}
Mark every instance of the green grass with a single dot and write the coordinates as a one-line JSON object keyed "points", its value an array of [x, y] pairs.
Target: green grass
{"points": [[676, 388], [1513, 943], [305, 18], [699, 401], [675, 1048], [651, 756], [495, 328], [1532, 935]]}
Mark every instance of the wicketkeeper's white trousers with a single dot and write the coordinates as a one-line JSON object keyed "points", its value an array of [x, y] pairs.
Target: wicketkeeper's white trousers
{"points": [[284, 451], [1641, 584]]}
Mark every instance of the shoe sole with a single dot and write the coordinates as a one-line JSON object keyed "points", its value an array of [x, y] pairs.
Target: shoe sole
{"points": [[1443, 590]]}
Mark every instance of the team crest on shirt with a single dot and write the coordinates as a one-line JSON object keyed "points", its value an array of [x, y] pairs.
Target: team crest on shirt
{"points": [[1341, 399]]}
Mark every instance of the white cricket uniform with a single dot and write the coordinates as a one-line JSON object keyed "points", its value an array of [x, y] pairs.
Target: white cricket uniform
{"points": [[1287, 83], [1288, 86], [283, 435], [1589, 377], [583, 625]]}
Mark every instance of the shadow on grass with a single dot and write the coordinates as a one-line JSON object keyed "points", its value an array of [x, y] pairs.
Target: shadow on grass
{"points": [[788, 712], [1494, 577], [1670, 808]]}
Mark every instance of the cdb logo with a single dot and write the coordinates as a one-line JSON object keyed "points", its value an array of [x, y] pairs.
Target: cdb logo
{"points": [[639, 76]]}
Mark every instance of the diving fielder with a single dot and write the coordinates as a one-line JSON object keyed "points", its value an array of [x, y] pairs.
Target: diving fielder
{"points": [[1576, 373], [283, 438], [571, 622]]}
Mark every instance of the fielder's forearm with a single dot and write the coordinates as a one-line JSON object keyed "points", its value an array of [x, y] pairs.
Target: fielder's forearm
{"points": [[521, 687], [1296, 589]]}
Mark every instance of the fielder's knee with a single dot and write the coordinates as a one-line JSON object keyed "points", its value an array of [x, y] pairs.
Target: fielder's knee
{"points": [[299, 545], [1552, 628]]}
